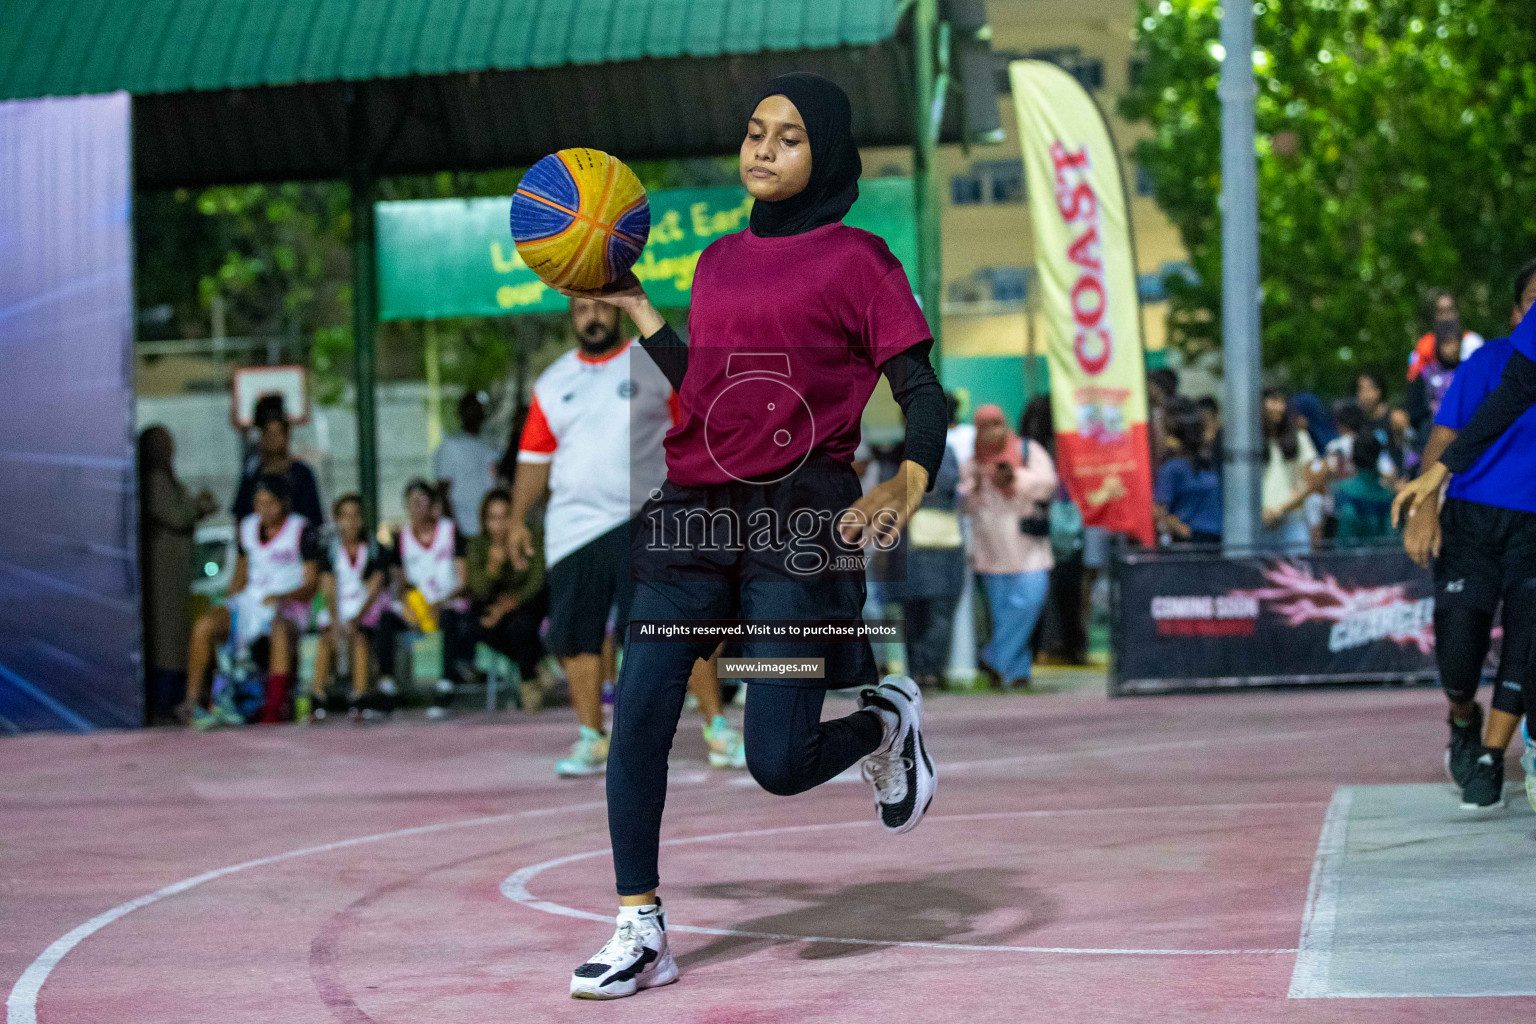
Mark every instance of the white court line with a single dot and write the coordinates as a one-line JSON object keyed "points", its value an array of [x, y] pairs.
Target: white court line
{"points": [[1309, 980], [515, 886], [1117, 750], [21, 1005]]}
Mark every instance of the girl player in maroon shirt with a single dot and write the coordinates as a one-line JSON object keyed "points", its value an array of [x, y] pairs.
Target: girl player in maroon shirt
{"points": [[761, 518]]}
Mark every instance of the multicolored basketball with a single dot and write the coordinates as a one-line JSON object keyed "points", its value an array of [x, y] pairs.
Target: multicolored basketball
{"points": [[580, 219]]}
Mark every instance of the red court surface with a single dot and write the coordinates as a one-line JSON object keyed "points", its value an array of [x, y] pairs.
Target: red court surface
{"points": [[1085, 860]]}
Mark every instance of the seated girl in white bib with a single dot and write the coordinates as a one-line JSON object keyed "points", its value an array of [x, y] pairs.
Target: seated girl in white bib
{"points": [[275, 578]]}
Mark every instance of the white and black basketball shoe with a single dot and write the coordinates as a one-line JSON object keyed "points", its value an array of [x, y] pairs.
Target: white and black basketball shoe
{"points": [[635, 958], [900, 769]]}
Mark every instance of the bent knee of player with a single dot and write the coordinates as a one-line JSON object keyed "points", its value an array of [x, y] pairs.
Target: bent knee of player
{"points": [[775, 771]]}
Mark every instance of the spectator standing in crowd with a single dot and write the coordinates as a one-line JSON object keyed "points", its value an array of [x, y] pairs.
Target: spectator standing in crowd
{"points": [[1428, 387], [1187, 492], [168, 516], [1210, 415], [1371, 396], [1314, 419], [272, 458], [276, 574], [1446, 322], [925, 571], [1007, 485], [1389, 426], [352, 581], [1062, 633], [1362, 504], [1339, 455], [962, 436], [464, 466], [426, 561], [509, 602], [1288, 476], [1162, 389], [593, 443]]}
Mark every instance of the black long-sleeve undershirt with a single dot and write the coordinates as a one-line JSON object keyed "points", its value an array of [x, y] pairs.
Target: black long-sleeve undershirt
{"points": [[914, 385], [670, 354], [1508, 402], [916, 389]]}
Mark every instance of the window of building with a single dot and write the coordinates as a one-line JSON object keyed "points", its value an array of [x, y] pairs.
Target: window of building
{"points": [[1136, 71], [989, 181], [965, 291], [991, 284], [965, 190], [1089, 71], [1153, 287], [1009, 284]]}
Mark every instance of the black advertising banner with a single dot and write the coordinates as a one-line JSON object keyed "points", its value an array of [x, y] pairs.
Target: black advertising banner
{"points": [[1193, 621]]}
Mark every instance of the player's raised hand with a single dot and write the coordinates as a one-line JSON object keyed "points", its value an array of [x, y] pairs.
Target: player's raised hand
{"points": [[626, 294]]}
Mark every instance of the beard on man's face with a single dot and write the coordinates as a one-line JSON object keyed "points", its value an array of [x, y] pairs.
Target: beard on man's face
{"points": [[597, 336]]}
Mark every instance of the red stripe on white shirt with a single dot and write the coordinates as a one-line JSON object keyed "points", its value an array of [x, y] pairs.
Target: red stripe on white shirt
{"points": [[538, 443]]}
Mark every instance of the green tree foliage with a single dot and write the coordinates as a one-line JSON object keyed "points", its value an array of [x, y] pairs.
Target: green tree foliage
{"points": [[1397, 154]]}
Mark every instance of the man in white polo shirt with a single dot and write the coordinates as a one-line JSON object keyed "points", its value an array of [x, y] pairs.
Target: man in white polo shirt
{"points": [[593, 440]]}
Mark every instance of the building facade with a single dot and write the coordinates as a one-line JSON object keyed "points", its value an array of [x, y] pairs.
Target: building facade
{"points": [[988, 241]]}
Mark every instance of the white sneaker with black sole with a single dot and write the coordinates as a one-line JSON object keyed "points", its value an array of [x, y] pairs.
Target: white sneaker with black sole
{"points": [[636, 957], [900, 769]]}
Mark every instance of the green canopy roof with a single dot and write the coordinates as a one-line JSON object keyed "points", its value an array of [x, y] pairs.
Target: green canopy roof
{"points": [[56, 48], [260, 90]]}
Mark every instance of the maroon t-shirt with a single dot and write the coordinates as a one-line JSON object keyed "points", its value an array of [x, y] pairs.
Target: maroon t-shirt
{"points": [[786, 337]]}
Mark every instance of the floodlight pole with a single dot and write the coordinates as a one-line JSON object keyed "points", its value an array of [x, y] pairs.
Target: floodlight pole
{"points": [[1241, 345], [360, 178], [930, 44]]}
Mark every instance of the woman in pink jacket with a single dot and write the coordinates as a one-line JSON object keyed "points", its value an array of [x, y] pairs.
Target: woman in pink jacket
{"points": [[1007, 485]]}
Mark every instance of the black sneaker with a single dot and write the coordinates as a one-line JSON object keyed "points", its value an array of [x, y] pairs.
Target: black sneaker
{"points": [[1485, 788], [1465, 747]]}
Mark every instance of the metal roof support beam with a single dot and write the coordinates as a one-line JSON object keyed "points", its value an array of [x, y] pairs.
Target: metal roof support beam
{"points": [[929, 39], [365, 303]]}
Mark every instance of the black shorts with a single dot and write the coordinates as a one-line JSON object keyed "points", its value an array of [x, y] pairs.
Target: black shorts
{"points": [[583, 586], [1488, 559], [757, 552], [1484, 551]]}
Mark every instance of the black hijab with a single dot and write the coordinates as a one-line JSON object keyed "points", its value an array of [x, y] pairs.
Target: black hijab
{"points": [[835, 165]]}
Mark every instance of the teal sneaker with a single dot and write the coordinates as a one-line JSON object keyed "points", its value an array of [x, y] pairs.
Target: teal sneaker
{"points": [[224, 712], [589, 756], [201, 719], [726, 749], [1528, 762]]}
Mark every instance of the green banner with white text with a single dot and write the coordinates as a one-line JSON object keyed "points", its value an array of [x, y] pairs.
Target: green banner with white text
{"points": [[454, 257]]}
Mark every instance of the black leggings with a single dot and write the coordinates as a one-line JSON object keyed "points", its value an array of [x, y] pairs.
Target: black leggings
{"points": [[460, 632], [789, 749]]}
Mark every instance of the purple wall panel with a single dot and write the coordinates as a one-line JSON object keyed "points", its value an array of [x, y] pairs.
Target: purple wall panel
{"points": [[69, 618]]}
